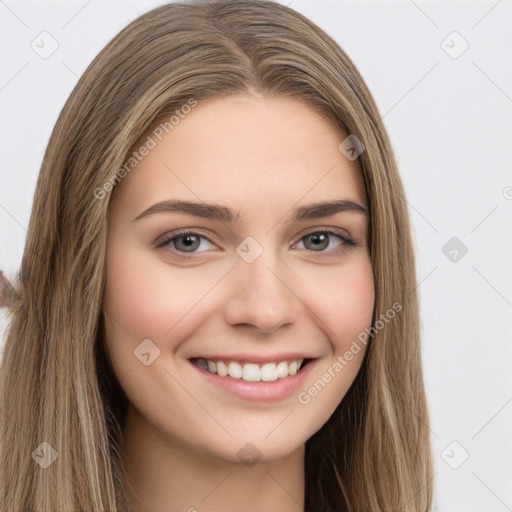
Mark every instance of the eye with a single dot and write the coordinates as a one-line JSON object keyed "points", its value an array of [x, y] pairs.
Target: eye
{"points": [[184, 244], [184, 241], [318, 241]]}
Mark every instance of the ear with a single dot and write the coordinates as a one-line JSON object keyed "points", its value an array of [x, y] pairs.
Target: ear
{"points": [[8, 295]]}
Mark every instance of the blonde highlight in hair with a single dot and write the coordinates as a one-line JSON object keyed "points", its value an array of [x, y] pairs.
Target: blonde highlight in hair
{"points": [[56, 380]]}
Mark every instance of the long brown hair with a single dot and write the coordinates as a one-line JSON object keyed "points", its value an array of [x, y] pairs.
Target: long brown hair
{"points": [[58, 394]]}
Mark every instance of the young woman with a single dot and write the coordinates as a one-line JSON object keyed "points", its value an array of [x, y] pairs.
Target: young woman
{"points": [[218, 306]]}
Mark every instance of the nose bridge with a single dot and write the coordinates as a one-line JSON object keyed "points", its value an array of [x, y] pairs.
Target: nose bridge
{"points": [[260, 295]]}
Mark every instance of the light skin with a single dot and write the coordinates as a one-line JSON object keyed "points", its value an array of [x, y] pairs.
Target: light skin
{"points": [[262, 157]]}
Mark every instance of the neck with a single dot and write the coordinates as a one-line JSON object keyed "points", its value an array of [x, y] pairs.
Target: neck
{"points": [[168, 476]]}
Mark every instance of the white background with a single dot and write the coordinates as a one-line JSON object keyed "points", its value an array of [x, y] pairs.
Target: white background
{"points": [[449, 120]]}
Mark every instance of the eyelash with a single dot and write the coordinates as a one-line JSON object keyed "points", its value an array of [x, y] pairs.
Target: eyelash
{"points": [[347, 242]]}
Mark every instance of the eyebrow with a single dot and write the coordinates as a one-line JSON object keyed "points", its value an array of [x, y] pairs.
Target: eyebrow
{"points": [[223, 213]]}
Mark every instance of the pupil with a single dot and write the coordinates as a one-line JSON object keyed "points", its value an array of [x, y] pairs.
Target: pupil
{"points": [[321, 237], [188, 240]]}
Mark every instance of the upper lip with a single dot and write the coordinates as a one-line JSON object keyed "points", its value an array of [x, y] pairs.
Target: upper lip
{"points": [[255, 358]]}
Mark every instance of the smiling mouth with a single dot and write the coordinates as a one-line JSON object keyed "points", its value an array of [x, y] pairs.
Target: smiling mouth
{"points": [[251, 372]]}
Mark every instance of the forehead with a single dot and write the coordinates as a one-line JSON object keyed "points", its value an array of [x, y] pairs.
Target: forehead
{"points": [[246, 151]]}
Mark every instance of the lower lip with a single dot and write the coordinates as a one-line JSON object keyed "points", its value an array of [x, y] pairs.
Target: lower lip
{"points": [[260, 391]]}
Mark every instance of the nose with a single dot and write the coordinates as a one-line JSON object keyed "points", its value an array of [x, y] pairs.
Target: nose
{"points": [[261, 296]]}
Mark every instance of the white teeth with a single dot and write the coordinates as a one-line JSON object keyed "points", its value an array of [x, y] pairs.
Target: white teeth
{"points": [[235, 370], [269, 372], [222, 369], [292, 368], [282, 370], [251, 372]]}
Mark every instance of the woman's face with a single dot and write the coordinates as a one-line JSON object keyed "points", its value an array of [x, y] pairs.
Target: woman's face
{"points": [[244, 273]]}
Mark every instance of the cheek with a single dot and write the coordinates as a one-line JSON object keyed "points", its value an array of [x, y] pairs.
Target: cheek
{"points": [[345, 300], [143, 298], [346, 309]]}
